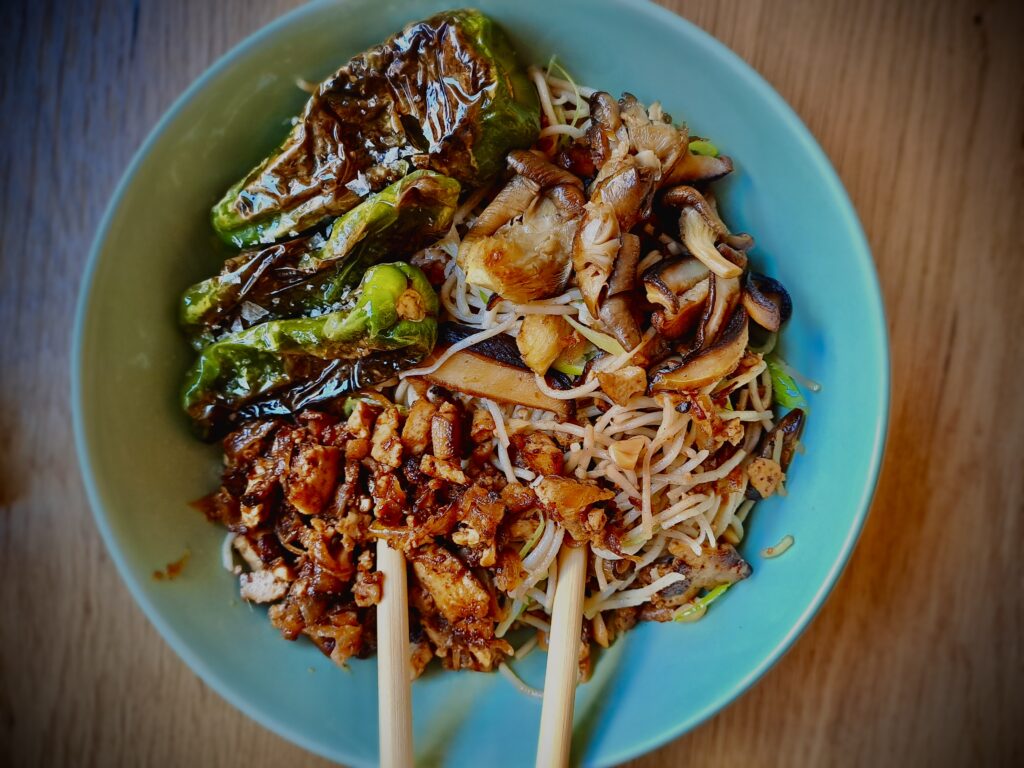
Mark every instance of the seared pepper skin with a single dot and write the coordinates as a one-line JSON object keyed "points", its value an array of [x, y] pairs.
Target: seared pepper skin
{"points": [[312, 275], [282, 366], [446, 94]]}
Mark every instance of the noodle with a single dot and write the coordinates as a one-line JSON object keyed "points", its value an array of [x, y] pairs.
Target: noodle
{"points": [[679, 463]]}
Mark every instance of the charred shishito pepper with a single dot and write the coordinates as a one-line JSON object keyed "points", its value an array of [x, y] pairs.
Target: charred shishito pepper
{"points": [[445, 94], [282, 366], [313, 275]]}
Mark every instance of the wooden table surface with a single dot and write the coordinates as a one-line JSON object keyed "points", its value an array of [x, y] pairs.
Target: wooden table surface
{"points": [[916, 659]]}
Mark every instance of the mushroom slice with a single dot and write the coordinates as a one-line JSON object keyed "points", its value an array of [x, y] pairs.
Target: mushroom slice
{"points": [[708, 365], [569, 200], [616, 312], [725, 296], [537, 169], [493, 369], [699, 236], [686, 313], [513, 200], [790, 426], [671, 278], [627, 185], [523, 252], [741, 241], [766, 301], [658, 136], [681, 287], [621, 197], [594, 250], [737, 257], [701, 228], [693, 168], [606, 136]]}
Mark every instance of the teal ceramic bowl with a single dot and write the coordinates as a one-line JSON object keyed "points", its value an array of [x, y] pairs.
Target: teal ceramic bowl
{"points": [[141, 465]]}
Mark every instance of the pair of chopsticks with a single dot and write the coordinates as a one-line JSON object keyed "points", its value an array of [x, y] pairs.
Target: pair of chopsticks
{"points": [[394, 674]]}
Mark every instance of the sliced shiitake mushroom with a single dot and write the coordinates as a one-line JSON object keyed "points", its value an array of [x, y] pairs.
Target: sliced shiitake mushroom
{"points": [[693, 168], [725, 295], [627, 185], [511, 201], [480, 376], [687, 313], [766, 301], [701, 228], [615, 310], [539, 170], [737, 257], [741, 241], [568, 199], [650, 131], [681, 287], [708, 365], [605, 125], [493, 369]]}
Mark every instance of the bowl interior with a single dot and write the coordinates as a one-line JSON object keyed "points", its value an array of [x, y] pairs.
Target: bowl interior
{"points": [[142, 466]]}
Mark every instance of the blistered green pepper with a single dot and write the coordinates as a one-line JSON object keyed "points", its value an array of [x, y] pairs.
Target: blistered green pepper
{"points": [[282, 366], [311, 275], [446, 93]]}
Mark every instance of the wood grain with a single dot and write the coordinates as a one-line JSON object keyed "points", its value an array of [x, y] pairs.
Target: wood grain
{"points": [[916, 659]]}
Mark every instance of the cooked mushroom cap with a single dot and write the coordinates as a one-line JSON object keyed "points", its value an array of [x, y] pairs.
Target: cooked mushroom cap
{"points": [[616, 310], [766, 300], [693, 168], [594, 250], [627, 184], [657, 136], [537, 169], [606, 134], [711, 364], [699, 235], [520, 246], [724, 298], [513, 199], [681, 287], [701, 228], [493, 369]]}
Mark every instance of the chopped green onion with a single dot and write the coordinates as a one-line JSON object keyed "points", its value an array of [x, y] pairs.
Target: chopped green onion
{"points": [[703, 147], [576, 364], [484, 295], [696, 609], [529, 545], [598, 339], [784, 386], [569, 367]]}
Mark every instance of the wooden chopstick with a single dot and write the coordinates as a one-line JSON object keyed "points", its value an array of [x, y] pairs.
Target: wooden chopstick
{"points": [[393, 670], [563, 659]]}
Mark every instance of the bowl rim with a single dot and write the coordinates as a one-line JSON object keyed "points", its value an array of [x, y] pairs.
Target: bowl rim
{"points": [[876, 322]]}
